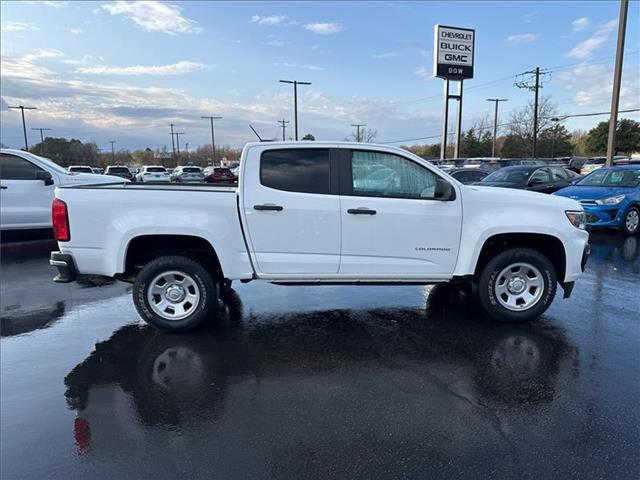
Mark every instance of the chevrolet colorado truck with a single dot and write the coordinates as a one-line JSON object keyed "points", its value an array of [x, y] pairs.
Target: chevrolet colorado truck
{"points": [[320, 213]]}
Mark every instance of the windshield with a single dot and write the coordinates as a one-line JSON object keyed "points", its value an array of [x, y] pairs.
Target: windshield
{"points": [[156, 169], [611, 178], [512, 176]]}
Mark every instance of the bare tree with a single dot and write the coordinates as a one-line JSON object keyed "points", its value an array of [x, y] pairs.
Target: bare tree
{"points": [[367, 135]]}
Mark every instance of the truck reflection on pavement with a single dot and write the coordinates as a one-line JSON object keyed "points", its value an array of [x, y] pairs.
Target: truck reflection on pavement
{"points": [[280, 374]]}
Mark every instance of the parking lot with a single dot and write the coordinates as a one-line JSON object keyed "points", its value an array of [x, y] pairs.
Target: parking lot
{"points": [[318, 382]]}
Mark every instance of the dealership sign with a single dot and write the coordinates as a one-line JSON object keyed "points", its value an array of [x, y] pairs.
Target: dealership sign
{"points": [[453, 55]]}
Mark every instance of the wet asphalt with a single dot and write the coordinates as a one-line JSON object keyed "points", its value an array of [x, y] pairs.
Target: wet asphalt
{"points": [[320, 382]]}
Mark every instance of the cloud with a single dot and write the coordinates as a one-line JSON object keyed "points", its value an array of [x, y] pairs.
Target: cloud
{"points": [[17, 26], [179, 68], [521, 38], [324, 28], [277, 43], [154, 16], [296, 65], [588, 46], [268, 20], [42, 53], [384, 55], [530, 17], [581, 23], [76, 31], [50, 3], [424, 72], [592, 86]]}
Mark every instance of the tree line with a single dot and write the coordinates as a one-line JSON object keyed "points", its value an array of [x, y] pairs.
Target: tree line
{"points": [[554, 140]]}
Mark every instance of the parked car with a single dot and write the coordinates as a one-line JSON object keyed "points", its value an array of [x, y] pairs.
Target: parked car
{"points": [[291, 222], [153, 173], [531, 177], [610, 197], [468, 175], [480, 162], [27, 182], [450, 163], [219, 175], [592, 164], [119, 171], [80, 169], [96, 171], [187, 174], [512, 162]]}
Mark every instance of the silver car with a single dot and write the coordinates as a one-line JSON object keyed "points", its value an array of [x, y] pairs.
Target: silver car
{"points": [[187, 174]]}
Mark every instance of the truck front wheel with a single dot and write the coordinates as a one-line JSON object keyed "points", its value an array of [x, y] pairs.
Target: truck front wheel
{"points": [[175, 293], [517, 285]]}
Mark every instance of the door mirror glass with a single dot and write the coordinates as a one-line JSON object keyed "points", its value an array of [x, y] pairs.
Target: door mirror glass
{"points": [[45, 177], [444, 190]]}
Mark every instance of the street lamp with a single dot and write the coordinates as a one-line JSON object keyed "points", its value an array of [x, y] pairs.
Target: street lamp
{"points": [[295, 100]]}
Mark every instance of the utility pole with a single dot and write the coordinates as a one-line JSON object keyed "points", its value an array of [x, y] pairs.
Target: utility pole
{"points": [[173, 145], [186, 147], [113, 152], [213, 138], [295, 100], [524, 80], [24, 125], [617, 79], [283, 123], [495, 122], [41, 134], [358, 125], [177, 134]]}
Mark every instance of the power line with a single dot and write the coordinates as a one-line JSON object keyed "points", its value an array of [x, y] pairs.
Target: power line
{"points": [[295, 100], [358, 125], [41, 134], [429, 137], [213, 140], [283, 123], [22, 108]]}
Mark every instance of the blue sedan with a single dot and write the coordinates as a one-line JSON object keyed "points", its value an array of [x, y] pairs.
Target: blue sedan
{"points": [[610, 197]]}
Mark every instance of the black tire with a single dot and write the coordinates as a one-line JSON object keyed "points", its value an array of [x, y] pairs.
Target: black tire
{"points": [[625, 227], [493, 306], [203, 309]]}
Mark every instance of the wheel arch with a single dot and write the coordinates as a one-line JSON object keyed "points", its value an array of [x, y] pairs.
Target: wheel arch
{"points": [[141, 249], [549, 245]]}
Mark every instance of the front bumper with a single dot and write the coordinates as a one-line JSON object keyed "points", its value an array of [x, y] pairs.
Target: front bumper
{"points": [[67, 271], [604, 215]]}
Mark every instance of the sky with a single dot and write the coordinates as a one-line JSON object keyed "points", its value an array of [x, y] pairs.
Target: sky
{"points": [[125, 71]]}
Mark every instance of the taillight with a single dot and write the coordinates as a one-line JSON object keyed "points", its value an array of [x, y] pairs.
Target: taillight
{"points": [[60, 219]]}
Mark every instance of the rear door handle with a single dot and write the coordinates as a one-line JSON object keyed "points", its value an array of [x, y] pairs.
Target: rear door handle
{"points": [[275, 208], [3, 187], [361, 211]]}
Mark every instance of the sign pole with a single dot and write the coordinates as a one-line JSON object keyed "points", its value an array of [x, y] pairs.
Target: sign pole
{"points": [[443, 141], [456, 153]]}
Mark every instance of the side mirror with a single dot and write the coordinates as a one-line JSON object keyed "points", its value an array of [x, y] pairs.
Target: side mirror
{"points": [[45, 177], [444, 190]]}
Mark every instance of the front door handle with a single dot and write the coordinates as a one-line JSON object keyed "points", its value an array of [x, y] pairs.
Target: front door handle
{"points": [[361, 211], [3, 187], [275, 208]]}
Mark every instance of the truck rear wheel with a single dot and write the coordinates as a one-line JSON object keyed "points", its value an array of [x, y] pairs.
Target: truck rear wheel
{"points": [[517, 285], [175, 293]]}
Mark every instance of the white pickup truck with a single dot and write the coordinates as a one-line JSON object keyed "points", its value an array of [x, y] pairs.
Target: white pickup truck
{"points": [[320, 213]]}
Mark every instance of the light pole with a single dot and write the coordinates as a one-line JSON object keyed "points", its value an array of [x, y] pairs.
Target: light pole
{"points": [[24, 125], [358, 125], [495, 122], [295, 100], [213, 138], [113, 152]]}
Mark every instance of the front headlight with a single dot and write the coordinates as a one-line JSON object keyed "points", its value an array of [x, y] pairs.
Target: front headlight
{"points": [[610, 200], [577, 219]]}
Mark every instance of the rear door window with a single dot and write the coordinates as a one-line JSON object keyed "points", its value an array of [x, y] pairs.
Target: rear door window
{"points": [[13, 167], [305, 170]]}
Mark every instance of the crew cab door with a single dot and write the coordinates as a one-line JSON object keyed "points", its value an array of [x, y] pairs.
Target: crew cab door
{"points": [[291, 210], [392, 226], [26, 193]]}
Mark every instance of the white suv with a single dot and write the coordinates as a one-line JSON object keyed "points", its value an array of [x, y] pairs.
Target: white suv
{"points": [[27, 182], [153, 173]]}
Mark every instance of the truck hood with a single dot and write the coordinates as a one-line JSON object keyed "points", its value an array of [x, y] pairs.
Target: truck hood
{"points": [[578, 192], [88, 179], [515, 196]]}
